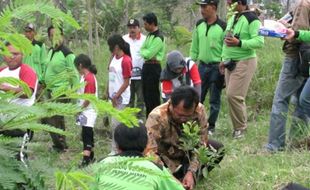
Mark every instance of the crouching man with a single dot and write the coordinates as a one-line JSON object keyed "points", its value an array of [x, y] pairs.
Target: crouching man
{"points": [[164, 126], [16, 69]]}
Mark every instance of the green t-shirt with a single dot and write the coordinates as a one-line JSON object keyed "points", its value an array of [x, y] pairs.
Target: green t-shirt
{"points": [[153, 47], [60, 68], [207, 41], [304, 35], [133, 173], [37, 59], [246, 26]]}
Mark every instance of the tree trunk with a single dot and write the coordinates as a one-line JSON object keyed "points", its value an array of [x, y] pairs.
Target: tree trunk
{"points": [[222, 10], [96, 32], [90, 29], [126, 16], [287, 5]]}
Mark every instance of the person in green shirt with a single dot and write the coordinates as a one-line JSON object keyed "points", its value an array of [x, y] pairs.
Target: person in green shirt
{"points": [[239, 58], [129, 170], [153, 52], [37, 58], [60, 73], [301, 35], [206, 48]]}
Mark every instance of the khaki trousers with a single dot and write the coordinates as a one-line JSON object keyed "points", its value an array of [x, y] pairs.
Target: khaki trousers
{"points": [[237, 85]]}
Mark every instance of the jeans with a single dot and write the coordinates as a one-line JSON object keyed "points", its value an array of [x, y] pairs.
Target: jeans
{"points": [[150, 86], [212, 80], [136, 96], [290, 81]]}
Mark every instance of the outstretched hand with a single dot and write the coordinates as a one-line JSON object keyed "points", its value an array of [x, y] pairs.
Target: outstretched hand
{"points": [[290, 33], [188, 181]]}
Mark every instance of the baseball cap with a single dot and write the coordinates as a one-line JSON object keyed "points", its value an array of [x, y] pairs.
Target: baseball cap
{"points": [[29, 27], [208, 2], [133, 22]]}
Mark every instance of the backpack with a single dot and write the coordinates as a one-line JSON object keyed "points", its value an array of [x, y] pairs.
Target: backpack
{"points": [[304, 55]]}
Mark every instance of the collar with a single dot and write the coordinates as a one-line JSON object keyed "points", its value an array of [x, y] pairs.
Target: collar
{"points": [[130, 153], [138, 37], [14, 68], [59, 47], [215, 22], [156, 32]]}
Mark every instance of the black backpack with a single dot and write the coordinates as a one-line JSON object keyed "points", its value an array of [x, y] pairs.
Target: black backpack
{"points": [[187, 78], [304, 54]]}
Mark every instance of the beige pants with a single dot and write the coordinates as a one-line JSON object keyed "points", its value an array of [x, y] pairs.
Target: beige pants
{"points": [[237, 85]]}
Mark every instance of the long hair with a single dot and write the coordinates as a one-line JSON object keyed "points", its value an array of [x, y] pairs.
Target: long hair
{"points": [[85, 61], [117, 39]]}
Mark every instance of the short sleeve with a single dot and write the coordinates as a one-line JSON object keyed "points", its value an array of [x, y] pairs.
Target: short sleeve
{"points": [[90, 87], [28, 76], [167, 87], [194, 73], [126, 67]]}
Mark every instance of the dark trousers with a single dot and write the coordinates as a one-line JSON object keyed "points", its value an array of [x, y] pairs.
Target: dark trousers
{"points": [[150, 85], [213, 81], [219, 149], [136, 96], [58, 122], [87, 138], [294, 186]]}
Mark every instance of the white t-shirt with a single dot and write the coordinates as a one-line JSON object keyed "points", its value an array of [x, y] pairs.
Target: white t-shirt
{"points": [[137, 60], [88, 116], [119, 69], [26, 74]]}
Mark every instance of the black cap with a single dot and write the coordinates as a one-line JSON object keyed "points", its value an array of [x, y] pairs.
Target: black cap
{"points": [[208, 2], [133, 22], [29, 27]]}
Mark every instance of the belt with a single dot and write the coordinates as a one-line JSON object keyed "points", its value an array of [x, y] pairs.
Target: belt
{"points": [[209, 63], [152, 62]]}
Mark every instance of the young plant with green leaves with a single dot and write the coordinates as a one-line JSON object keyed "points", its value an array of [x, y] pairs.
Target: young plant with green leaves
{"points": [[190, 144], [14, 175]]}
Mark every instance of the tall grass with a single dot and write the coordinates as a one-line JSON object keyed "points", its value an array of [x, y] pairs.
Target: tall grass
{"points": [[245, 167]]}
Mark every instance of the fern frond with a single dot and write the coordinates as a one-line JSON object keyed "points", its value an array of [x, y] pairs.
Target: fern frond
{"points": [[73, 179], [37, 127], [126, 116], [16, 82], [25, 11]]}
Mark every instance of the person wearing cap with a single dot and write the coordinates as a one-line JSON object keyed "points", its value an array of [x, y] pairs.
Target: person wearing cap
{"points": [[60, 73], [135, 39], [153, 52], [206, 49], [179, 71], [239, 58], [37, 58]]}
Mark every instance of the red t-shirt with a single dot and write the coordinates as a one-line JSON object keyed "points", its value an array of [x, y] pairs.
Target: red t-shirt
{"points": [[26, 74], [90, 87], [168, 85]]}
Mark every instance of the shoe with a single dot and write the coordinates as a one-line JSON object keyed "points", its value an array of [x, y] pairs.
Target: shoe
{"points": [[272, 149], [60, 149], [86, 161], [211, 132], [237, 134]]}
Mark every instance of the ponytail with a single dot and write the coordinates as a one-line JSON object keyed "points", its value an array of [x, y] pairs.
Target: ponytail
{"points": [[93, 69], [85, 62], [126, 49], [117, 39]]}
